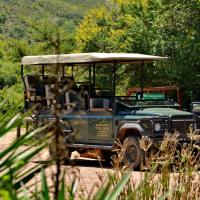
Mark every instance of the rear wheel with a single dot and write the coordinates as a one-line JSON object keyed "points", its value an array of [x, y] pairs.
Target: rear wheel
{"points": [[132, 154]]}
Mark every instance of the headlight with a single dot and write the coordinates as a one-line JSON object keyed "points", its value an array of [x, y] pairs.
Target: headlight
{"points": [[157, 127]]}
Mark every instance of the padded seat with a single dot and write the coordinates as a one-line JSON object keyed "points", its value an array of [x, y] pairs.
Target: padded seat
{"points": [[196, 110], [33, 88], [99, 103], [104, 93], [51, 96]]}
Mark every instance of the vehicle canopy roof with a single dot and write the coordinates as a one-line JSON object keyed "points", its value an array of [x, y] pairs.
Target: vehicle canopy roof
{"points": [[87, 58]]}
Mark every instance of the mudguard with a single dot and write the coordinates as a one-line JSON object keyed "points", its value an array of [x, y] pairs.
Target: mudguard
{"points": [[135, 128]]}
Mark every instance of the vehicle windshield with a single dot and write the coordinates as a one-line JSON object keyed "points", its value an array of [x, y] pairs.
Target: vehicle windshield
{"points": [[128, 105], [148, 103]]}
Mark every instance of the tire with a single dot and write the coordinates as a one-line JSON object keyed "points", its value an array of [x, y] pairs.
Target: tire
{"points": [[132, 154], [59, 152]]}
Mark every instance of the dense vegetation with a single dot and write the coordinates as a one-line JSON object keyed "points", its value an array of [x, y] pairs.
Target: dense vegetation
{"points": [[144, 26], [31, 27], [168, 28]]}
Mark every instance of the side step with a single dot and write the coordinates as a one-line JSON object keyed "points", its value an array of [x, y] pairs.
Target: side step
{"points": [[90, 146]]}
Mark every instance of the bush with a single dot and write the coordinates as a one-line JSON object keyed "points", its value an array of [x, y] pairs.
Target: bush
{"points": [[11, 100]]}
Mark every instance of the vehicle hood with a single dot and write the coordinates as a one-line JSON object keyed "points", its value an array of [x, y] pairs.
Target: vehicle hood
{"points": [[165, 112]]}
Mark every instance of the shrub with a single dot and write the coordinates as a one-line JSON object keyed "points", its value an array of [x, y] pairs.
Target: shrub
{"points": [[11, 100]]}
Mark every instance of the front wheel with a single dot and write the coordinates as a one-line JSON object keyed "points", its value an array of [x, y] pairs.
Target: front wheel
{"points": [[132, 154]]}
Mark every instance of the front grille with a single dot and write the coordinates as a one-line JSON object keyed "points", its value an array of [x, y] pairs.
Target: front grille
{"points": [[176, 124], [164, 126], [182, 126]]}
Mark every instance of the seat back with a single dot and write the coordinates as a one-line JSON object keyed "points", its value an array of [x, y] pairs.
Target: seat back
{"points": [[99, 103], [104, 93], [50, 91], [34, 82]]}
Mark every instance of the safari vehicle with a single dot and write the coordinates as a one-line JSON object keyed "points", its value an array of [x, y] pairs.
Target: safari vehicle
{"points": [[90, 110]]}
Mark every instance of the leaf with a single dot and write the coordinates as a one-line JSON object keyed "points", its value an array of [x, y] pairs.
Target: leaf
{"points": [[22, 160], [61, 194], [73, 188], [27, 176], [45, 189], [103, 191], [117, 190]]}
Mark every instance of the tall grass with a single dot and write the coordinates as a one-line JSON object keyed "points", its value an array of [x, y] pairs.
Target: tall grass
{"points": [[171, 170]]}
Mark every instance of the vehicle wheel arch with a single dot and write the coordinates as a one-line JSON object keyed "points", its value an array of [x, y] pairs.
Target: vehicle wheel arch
{"points": [[132, 133], [133, 130]]}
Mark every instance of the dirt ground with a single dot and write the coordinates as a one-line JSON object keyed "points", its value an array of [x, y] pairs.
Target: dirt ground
{"points": [[89, 172]]}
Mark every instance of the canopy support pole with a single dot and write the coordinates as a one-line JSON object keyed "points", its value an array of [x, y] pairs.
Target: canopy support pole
{"points": [[114, 78], [142, 79], [72, 68], [22, 71], [90, 75], [94, 75], [63, 70], [43, 73], [43, 82]]}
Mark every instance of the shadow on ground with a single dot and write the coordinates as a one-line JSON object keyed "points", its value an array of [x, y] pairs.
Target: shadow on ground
{"points": [[91, 163]]}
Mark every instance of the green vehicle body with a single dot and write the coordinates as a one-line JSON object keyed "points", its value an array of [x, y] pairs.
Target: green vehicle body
{"points": [[125, 117], [101, 129]]}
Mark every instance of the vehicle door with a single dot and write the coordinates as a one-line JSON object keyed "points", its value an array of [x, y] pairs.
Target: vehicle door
{"points": [[100, 126], [77, 123]]}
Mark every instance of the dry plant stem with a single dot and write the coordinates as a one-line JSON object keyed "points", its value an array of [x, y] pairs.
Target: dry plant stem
{"points": [[57, 129]]}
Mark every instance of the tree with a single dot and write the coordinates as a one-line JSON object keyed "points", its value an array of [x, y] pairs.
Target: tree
{"points": [[151, 27], [179, 27]]}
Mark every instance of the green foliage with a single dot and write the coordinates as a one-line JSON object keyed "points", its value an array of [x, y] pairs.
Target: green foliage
{"points": [[11, 99], [180, 28], [47, 35], [29, 27], [14, 13], [14, 159], [149, 27], [12, 50], [45, 189], [126, 27], [9, 74]]}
